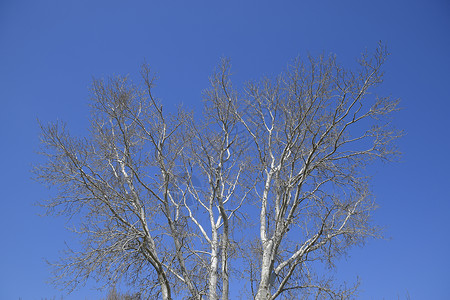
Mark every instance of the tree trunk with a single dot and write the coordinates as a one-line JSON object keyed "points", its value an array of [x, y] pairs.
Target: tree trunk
{"points": [[225, 278], [213, 268], [266, 264], [165, 288], [266, 269]]}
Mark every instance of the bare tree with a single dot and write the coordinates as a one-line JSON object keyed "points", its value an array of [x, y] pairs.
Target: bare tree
{"points": [[160, 200], [313, 131], [118, 182]]}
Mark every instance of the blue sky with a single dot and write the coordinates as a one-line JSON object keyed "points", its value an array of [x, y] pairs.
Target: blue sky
{"points": [[50, 50]]}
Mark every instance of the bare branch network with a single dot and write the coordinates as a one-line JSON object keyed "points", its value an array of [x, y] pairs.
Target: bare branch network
{"points": [[258, 194]]}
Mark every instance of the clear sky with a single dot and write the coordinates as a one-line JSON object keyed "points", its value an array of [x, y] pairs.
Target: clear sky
{"points": [[50, 50]]}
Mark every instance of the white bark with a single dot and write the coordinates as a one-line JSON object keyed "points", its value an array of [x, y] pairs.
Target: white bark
{"points": [[266, 270]]}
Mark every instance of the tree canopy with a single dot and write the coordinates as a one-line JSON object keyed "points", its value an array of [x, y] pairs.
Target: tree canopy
{"points": [[257, 194]]}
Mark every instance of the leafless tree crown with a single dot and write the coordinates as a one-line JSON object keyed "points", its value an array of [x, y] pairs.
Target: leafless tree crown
{"points": [[260, 193]]}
